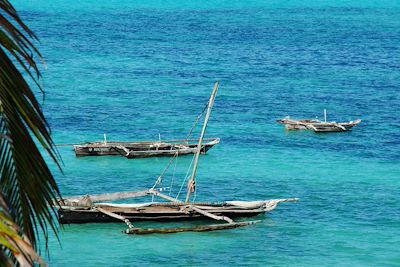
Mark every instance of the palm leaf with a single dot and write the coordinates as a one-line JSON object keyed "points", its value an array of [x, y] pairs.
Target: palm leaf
{"points": [[14, 244], [26, 182]]}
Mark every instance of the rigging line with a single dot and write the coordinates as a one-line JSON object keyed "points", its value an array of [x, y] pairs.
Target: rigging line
{"points": [[159, 179], [173, 176], [184, 180], [196, 121], [186, 177]]}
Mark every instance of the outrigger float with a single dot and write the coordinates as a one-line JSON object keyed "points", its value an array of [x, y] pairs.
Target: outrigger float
{"points": [[317, 125], [94, 208]]}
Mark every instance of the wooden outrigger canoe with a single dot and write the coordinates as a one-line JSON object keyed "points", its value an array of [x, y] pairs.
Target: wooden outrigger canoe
{"points": [[317, 125], [86, 209], [144, 149]]}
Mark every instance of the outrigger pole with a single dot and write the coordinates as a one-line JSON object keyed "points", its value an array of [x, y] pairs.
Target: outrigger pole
{"points": [[192, 180]]}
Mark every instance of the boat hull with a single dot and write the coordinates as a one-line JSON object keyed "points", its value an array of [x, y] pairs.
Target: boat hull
{"points": [[141, 149], [318, 126], [333, 128], [152, 213], [80, 217]]}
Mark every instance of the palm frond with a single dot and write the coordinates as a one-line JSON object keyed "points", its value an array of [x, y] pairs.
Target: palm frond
{"points": [[14, 245], [26, 182]]}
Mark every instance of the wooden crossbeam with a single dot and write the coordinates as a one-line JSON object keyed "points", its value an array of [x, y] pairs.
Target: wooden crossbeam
{"points": [[309, 125], [340, 126], [127, 151], [116, 216], [210, 215], [158, 194]]}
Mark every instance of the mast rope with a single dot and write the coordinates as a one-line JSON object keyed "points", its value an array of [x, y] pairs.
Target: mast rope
{"points": [[186, 177], [160, 178], [196, 121], [173, 177]]}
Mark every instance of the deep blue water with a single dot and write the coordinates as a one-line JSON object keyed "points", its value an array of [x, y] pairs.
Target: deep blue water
{"points": [[134, 69]]}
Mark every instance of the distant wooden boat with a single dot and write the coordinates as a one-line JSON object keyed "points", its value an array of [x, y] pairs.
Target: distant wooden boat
{"points": [[317, 125], [143, 149], [92, 208]]}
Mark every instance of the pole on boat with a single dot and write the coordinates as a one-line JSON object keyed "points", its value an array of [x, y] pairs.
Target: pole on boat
{"points": [[192, 179], [105, 138], [325, 115]]}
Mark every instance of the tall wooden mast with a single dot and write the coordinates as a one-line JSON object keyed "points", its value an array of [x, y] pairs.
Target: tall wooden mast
{"points": [[192, 180]]}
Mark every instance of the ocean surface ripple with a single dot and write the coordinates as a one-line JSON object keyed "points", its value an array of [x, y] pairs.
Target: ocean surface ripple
{"points": [[137, 69]]}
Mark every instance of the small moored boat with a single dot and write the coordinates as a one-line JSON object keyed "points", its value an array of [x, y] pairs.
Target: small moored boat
{"points": [[317, 125], [144, 149]]}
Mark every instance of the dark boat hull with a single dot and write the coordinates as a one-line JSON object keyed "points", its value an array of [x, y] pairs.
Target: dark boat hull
{"points": [[152, 212], [80, 217], [141, 149]]}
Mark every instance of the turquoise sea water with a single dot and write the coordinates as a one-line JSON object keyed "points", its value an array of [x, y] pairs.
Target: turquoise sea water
{"points": [[134, 69]]}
